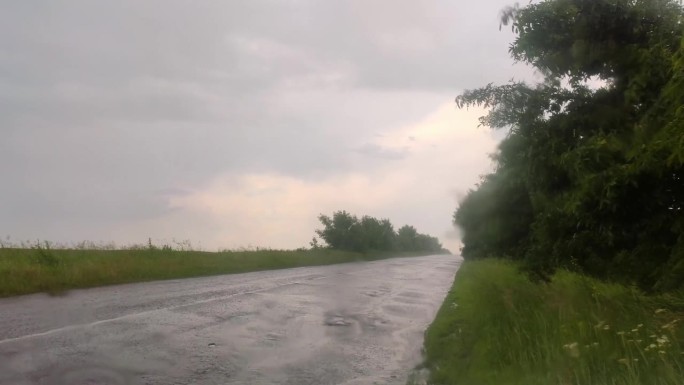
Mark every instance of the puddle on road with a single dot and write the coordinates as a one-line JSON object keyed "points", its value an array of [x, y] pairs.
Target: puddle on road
{"points": [[273, 336], [337, 320]]}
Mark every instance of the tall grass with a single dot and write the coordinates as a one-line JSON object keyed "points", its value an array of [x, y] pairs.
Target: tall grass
{"points": [[40, 268], [497, 327]]}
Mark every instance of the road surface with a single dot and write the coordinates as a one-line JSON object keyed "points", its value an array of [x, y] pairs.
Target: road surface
{"points": [[356, 323]]}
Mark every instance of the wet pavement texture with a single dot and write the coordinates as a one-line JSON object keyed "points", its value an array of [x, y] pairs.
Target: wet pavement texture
{"points": [[355, 323]]}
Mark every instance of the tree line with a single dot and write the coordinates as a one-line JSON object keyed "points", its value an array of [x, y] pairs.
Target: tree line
{"points": [[590, 176], [344, 231]]}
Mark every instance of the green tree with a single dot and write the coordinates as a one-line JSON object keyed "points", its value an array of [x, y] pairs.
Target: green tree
{"points": [[409, 239], [587, 178], [344, 231], [374, 234], [338, 231], [406, 238]]}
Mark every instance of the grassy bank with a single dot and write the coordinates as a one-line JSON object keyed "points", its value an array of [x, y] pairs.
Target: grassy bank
{"points": [[496, 327], [31, 270]]}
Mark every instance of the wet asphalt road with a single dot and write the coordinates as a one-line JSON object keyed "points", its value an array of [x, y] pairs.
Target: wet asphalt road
{"points": [[357, 323]]}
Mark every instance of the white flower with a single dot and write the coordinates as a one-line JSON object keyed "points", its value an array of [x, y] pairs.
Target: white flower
{"points": [[663, 340], [573, 349]]}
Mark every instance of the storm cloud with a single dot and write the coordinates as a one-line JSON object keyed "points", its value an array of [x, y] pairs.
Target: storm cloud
{"points": [[235, 123]]}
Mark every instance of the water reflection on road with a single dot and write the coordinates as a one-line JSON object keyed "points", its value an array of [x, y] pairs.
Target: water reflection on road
{"points": [[359, 323]]}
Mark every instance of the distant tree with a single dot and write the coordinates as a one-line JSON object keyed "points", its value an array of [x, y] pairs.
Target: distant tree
{"points": [[344, 231], [314, 243], [406, 238], [338, 231], [374, 234]]}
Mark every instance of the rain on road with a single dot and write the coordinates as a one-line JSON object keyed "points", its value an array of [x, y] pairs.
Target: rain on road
{"points": [[356, 323]]}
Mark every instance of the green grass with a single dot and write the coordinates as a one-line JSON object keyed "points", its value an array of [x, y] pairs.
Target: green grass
{"points": [[497, 327], [39, 269]]}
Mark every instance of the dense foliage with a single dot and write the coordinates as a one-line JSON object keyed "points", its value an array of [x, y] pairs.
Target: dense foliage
{"points": [[591, 173], [344, 231]]}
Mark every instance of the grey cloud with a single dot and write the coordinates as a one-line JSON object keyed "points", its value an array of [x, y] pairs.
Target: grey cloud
{"points": [[376, 151], [107, 107], [407, 44]]}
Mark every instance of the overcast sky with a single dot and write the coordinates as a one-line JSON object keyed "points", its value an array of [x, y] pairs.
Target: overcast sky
{"points": [[235, 123]]}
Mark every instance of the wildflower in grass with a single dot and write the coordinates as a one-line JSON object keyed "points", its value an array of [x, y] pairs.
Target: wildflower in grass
{"points": [[659, 311], [635, 330], [663, 340], [572, 349], [639, 326]]}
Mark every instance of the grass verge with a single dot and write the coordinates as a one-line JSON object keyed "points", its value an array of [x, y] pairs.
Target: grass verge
{"points": [[497, 327], [32, 270]]}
